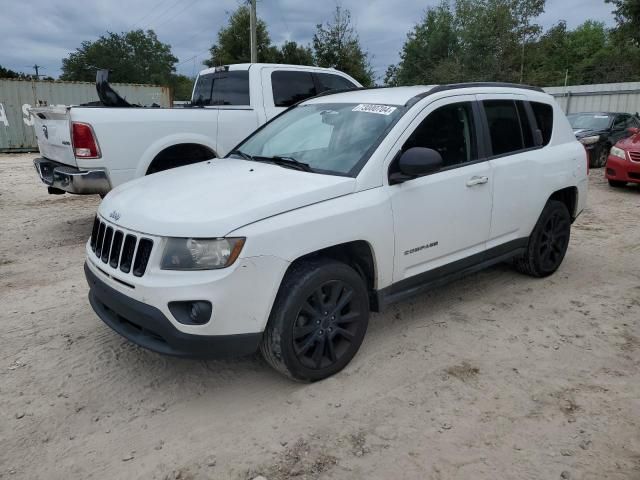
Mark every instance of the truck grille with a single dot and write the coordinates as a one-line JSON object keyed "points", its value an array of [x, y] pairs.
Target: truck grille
{"points": [[635, 156], [120, 249]]}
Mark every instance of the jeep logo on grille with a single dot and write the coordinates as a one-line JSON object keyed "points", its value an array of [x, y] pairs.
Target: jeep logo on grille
{"points": [[115, 215], [45, 130]]}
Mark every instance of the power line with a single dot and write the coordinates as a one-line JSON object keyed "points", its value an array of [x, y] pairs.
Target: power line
{"points": [[149, 13], [160, 15]]}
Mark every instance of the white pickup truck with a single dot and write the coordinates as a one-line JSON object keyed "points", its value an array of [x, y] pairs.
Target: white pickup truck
{"points": [[92, 149]]}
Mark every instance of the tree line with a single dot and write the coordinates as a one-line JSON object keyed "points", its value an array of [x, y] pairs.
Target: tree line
{"points": [[500, 40], [455, 41]]}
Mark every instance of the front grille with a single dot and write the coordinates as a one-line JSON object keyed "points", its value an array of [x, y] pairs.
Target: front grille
{"points": [[120, 249], [635, 156]]}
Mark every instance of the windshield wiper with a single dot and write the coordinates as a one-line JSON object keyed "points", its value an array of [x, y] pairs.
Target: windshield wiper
{"points": [[288, 162], [240, 153]]}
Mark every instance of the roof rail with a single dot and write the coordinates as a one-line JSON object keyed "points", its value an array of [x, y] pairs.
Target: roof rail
{"points": [[454, 86]]}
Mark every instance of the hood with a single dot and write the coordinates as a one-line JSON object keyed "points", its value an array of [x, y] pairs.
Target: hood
{"points": [[630, 144], [213, 198]]}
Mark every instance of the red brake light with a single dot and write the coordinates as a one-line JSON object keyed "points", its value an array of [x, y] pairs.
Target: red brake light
{"points": [[84, 141]]}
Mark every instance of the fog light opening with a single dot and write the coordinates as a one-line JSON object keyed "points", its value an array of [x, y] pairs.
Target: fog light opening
{"points": [[193, 312]]}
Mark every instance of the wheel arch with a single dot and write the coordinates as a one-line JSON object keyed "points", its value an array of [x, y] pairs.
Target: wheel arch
{"points": [[164, 143], [568, 196], [358, 254], [178, 155]]}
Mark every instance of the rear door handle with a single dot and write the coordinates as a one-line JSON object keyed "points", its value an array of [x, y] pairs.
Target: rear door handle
{"points": [[473, 181]]}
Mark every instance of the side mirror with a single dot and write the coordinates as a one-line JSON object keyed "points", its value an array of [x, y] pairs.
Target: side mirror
{"points": [[416, 162], [633, 130]]}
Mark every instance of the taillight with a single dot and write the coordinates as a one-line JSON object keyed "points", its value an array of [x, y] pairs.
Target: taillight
{"points": [[84, 141]]}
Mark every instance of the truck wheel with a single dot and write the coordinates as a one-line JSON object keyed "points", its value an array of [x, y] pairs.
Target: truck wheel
{"points": [[548, 242], [603, 155], [318, 320]]}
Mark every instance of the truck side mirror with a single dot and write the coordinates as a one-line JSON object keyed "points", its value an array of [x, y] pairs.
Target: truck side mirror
{"points": [[416, 162]]}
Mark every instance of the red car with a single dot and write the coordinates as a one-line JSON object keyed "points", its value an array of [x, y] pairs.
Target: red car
{"points": [[623, 164]]}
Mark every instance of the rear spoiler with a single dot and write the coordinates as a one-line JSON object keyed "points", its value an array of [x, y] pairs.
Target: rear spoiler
{"points": [[107, 95]]}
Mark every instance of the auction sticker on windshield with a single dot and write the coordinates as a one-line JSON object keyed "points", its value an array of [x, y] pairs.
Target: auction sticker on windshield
{"points": [[379, 109]]}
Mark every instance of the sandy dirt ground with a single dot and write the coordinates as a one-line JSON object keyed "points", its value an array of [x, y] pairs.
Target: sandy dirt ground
{"points": [[496, 376]]}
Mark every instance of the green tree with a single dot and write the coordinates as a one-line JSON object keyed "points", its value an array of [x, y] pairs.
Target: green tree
{"points": [[471, 40], [181, 87], [294, 54], [133, 57], [336, 44], [8, 73], [233, 44], [431, 42], [627, 14]]}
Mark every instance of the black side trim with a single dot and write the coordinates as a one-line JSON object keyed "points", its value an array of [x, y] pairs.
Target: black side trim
{"points": [[447, 273], [148, 327]]}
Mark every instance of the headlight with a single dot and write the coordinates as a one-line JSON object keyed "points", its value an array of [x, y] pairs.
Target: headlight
{"points": [[590, 140], [618, 152], [200, 253]]}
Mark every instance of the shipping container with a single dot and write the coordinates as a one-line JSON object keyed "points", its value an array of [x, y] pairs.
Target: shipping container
{"points": [[604, 97], [17, 96]]}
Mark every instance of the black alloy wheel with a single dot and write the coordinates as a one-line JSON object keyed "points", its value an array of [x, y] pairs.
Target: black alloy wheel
{"points": [[554, 240], [318, 320], [326, 325], [548, 242]]}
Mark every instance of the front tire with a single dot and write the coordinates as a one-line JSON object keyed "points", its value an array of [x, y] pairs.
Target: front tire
{"points": [[617, 184], [318, 320], [548, 242], [602, 156]]}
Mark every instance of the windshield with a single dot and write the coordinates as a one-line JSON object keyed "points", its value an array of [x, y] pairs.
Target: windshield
{"points": [[589, 121], [329, 138]]}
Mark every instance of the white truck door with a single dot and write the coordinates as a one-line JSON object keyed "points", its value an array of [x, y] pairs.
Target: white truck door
{"points": [[446, 216]]}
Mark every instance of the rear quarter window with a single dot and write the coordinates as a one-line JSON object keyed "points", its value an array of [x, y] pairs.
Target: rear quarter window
{"points": [[222, 88], [290, 87], [544, 118]]}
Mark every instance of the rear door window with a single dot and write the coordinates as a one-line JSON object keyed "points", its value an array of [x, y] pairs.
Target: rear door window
{"points": [[505, 128], [222, 88], [290, 87], [328, 81]]}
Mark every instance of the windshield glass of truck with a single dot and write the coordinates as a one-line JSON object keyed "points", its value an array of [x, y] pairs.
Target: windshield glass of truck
{"points": [[329, 138], [589, 122], [222, 88]]}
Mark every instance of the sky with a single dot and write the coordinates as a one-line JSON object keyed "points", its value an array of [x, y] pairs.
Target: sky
{"points": [[43, 31]]}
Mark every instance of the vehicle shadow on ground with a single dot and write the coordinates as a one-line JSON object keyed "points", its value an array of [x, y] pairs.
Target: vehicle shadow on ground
{"points": [[425, 311]]}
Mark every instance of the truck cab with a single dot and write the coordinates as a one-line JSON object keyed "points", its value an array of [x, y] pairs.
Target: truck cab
{"points": [[92, 149]]}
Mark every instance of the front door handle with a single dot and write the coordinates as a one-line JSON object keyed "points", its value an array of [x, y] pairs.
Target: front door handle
{"points": [[473, 181]]}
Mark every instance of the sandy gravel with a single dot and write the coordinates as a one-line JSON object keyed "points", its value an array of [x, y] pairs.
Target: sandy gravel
{"points": [[497, 376]]}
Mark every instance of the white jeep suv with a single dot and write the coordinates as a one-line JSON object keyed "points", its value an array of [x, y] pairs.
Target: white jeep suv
{"points": [[341, 205]]}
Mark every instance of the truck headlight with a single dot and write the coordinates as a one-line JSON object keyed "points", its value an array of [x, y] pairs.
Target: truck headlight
{"points": [[590, 140], [200, 253], [618, 152]]}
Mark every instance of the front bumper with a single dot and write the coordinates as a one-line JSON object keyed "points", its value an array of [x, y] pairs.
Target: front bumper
{"points": [[70, 179], [623, 170], [148, 327]]}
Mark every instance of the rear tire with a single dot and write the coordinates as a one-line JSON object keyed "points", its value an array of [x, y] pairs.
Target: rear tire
{"points": [[548, 242], [617, 184], [600, 159], [318, 320]]}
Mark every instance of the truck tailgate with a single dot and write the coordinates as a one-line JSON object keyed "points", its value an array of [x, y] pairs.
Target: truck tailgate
{"points": [[52, 128]]}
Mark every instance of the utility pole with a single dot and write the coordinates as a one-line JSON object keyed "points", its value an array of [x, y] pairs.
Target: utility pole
{"points": [[253, 22], [36, 67]]}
